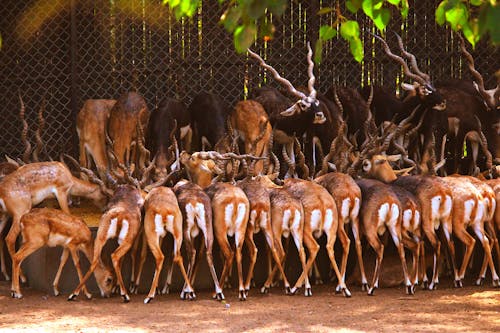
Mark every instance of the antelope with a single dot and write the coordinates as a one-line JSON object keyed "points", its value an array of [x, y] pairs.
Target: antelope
{"points": [[290, 121], [250, 122], [51, 227], [347, 196], [32, 183], [122, 220], [469, 211], [91, 129], [196, 210], [381, 212], [230, 208], [320, 215], [163, 215]]}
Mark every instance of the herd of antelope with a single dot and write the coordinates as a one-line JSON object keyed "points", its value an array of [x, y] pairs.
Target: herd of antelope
{"points": [[209, 172]]}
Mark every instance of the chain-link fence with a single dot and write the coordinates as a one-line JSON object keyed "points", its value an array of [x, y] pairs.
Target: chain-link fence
{"points": [[71, 50]]}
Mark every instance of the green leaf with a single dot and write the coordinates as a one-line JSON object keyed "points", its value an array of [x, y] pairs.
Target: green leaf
{"points": [[353, 5], [394, 2], [318, 51], [476, 2], [325, 10], [356, 48], [377, 4], [349, 29], [470, 34], [440, 13], [172, 3], [231, 18], [457, 16], [326, 32], [492, 19], [404, 8], [382, 18], [257, 9], [368, 8], [266, 31], [244, 36]]}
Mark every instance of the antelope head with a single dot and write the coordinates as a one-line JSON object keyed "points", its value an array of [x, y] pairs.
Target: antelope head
{"points": [[306, 103], [422, 86]]}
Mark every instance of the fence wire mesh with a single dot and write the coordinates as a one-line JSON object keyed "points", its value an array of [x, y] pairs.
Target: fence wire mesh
{"points": [[67, 51]]}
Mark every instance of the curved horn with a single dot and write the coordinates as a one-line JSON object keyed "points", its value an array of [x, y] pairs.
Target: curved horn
{"points": [[412, 59], [477, 76], [301, 160], [484, 145], [39, 130], [276, 75], [288, 160], [90, 174], [310, 72], [400, 60], [24, 132]]}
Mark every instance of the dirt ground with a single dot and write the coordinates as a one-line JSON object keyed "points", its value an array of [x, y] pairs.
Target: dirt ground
{"points": [[471, 309]]}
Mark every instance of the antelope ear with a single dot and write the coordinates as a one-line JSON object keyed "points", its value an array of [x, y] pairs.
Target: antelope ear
{"points": [[404, 172], [408, 87], [212, 167], [332, 167], [291, 110], [393, 158], [11, 161], [367, 165]]}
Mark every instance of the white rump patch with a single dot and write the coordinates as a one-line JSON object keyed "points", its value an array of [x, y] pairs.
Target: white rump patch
{"points": [[263, 219], [57, 240], [296, 220], [407, 215], [169, 226], [159, 228], [112, 228], [468, 206], [416, 220], [253, 216], [123, 232], [346, 203], [315, 219], [285, 226], [328, 220], [2, 204], [435, 205], [190, 215], [200, 218], [355, 209], [383, 213], [228, 219], [479, 212], [240, 217], [448, 204]]}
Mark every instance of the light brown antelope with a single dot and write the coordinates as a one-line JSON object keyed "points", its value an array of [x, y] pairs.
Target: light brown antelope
{"points": [[347, 196], [381, 212], [251, 124], [260, 219], [51, 227], [91, 129], [122, 220], [164, 215], [230, 209], [468, 211], [196, 210], [320, 215], [32, 183]]}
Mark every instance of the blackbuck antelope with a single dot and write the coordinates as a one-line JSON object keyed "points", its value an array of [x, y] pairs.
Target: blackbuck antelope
{"points": [[320, 216], [91, 129], [32, 183], [290, 120], [50, 227], [128, 118], [432, 106], [380, 212], [468, 211], [121, 220], [230, 208]]}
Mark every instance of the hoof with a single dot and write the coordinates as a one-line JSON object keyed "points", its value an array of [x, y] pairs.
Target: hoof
{"points": [[288, 291], [227, 284], [88, 296], [188, 295], [166, 290], [147, 300], [318, 282], [371, 291], [219, 296], [134, 288], [264, 290], [308, 292], [410, 290], [56, 292], [246, 292], [458, 284], [72, 297], [23, 279], [252, 283], [496, 283], [16, 295], [6, 276], [242, 295], [346, 292], [365, 287], [115, 290], [425, 285], [479, 281], [126, 298]]}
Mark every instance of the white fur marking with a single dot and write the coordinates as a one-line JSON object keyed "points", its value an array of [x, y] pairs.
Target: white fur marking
{"points": [[394, 215], [2, 204], [112, 228], [240, 218], [200, 217], [479, 212], [328, 220], [263, 220], [315, 220], [468, 206], [57, 239], [448, 204], [345, 209], [355, 209], [123, 232], [416, 220], [159, 228], [407, 215], [228, 219], [285, 226], [169, 226], [383, 211], [190, 215]]}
